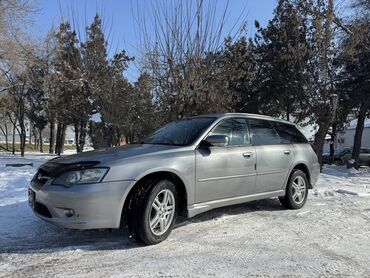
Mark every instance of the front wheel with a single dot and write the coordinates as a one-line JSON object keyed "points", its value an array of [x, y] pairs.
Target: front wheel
{"points": [[296, 191], [153, 215]]}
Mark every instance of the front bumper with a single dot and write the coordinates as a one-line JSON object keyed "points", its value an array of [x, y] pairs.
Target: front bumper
{"points": [[88, 206]]}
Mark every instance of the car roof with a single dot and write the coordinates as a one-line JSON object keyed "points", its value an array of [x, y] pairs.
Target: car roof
{"points": [[244, 115]]}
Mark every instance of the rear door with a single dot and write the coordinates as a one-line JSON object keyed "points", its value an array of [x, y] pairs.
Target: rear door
{"points": [[225, 172], [274, 157]]}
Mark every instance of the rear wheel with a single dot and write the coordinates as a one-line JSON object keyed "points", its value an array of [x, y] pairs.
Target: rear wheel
{"points": [[296, 191], [154, 212]]}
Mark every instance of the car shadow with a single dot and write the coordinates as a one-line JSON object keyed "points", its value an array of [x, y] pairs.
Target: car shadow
{"points": [[272, 204], [22, 232]]}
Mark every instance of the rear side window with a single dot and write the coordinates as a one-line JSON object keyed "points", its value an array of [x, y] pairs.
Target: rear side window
{"points": [[289, 134], [263, 133], [236, 129]]}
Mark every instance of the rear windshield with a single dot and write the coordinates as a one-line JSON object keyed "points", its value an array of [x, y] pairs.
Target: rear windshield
{"points": [[288, 133]]}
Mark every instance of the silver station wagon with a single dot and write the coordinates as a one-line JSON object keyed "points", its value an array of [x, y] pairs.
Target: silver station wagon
{"points": [[185, 168]]}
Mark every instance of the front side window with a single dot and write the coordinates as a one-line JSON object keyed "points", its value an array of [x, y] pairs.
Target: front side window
{"points": [[263, 133], [236, 129], [180, 133]]}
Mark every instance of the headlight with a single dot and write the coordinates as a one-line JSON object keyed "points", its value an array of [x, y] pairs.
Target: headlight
{"points": [[83, 176]]}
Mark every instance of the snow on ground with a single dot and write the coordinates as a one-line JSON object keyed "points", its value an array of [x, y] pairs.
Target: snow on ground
{"points": [[329, 237]]}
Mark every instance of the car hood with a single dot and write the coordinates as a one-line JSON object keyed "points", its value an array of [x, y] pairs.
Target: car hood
{"points": [[101, 156]]}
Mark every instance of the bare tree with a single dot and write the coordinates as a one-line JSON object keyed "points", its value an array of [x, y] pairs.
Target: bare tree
{"points": [[4, 121], [177, 56], [15, 15]]}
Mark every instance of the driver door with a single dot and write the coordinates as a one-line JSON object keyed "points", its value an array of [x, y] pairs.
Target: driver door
{"points": [[229, 171]]}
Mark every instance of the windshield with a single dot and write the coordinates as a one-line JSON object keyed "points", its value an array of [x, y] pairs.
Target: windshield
{"points": [[342, 151], [180, 133]]}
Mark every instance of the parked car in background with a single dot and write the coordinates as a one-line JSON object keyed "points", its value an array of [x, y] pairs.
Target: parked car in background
{"points": [[343, 155], [185, 168]]}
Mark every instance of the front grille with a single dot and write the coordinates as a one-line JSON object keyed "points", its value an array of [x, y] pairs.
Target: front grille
{"points": [[42, 210]]}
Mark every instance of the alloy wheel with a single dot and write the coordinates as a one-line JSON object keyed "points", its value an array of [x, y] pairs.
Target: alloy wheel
{"points": [[299, 190], [162, 212]]}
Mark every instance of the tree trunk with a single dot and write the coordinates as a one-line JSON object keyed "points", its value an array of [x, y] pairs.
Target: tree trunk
{"points": [[6, 136], [320, 140], [358, 135], [107, 136], [333, 137], [13, 142], [57, 143], [22, 135], [52, 136], [62, 138], [83, 132], [57, 138], [22, 131], [5, 132], [35, 138], [40, 141], [32, 131], [77, 137], [118, 137]]}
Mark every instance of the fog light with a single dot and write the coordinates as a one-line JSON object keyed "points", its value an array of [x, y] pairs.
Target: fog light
{"points": [[69, 212]]}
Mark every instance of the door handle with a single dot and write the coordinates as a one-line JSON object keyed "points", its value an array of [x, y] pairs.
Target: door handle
{"points": [[248, 154], [287, 152]]}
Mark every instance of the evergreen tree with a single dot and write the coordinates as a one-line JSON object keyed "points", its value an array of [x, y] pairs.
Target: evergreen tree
{"points": [[319, 101], [96, 64], [72, 98], [36, 112], [141, 116], [242, 67], [106, 86], [354, 62], [283, 47]]}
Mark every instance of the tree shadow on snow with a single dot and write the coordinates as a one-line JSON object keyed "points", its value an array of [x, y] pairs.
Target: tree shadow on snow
{"points": [[22, 232]]}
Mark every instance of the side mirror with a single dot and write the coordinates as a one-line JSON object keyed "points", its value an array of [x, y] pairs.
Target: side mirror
{"points": [[218, 140]]}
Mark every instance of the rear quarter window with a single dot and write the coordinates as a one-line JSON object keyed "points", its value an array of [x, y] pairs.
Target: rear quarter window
{"points": [[288, 133]]}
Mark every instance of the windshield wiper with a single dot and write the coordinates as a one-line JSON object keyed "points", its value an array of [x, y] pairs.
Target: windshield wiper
{"points": [[161, 143]]}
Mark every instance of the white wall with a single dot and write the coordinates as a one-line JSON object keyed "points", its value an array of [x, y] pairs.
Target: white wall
{"points": [[349, 135]]}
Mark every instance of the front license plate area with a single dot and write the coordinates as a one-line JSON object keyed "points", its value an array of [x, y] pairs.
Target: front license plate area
{"points": [[31, 198]]}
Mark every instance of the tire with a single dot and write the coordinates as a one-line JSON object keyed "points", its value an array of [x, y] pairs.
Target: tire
{"points": [[149, 205], [294, 199]]}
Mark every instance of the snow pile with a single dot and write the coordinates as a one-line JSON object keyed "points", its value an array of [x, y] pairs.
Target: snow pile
{"points": [[14, 181], [339, 179]]}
